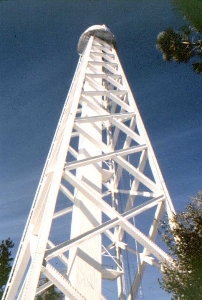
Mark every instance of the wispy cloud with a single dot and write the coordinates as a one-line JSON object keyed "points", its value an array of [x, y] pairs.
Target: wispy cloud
{"points": [[179, 135]]}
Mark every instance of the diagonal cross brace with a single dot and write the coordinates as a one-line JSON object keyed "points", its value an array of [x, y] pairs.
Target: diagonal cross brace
{"points": [[117, 219]]}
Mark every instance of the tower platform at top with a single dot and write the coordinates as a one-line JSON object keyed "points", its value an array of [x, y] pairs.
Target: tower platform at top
{"points": [[100, 31]]}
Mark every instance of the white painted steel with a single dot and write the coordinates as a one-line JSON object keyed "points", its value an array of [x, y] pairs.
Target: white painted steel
{"points": [[100, 145]]}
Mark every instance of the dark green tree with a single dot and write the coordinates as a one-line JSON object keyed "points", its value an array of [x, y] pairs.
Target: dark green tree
{"points": [[191, 10], [185, 44], [5, 262], [181, 46], [50, 293], [184, 241]]}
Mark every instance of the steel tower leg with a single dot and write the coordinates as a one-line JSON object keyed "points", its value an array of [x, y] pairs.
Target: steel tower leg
{"points": [[82, 224]]}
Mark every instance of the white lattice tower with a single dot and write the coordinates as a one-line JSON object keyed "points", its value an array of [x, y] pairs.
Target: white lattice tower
{"points": [[100, 177]]}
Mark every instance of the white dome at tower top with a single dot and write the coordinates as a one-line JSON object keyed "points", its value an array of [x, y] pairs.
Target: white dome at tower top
{"points": [[100, 31]]}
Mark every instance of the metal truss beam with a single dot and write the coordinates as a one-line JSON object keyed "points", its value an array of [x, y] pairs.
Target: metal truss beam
{"points": [[101, 175]]}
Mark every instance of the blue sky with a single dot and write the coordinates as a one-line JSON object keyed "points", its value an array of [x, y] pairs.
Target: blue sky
{"points": [[38, 57]]}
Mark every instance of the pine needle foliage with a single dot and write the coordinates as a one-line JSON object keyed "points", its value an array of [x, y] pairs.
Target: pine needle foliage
{"points": [[51, 293], [181, 46], [184, 241], [5, 262], [191, 10]]}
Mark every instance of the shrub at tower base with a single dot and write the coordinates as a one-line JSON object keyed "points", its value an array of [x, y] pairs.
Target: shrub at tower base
{"points": [[184, 241]]}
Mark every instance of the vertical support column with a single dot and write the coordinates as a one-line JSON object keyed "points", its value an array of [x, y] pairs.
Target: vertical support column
{"points": [[84, 267]]}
